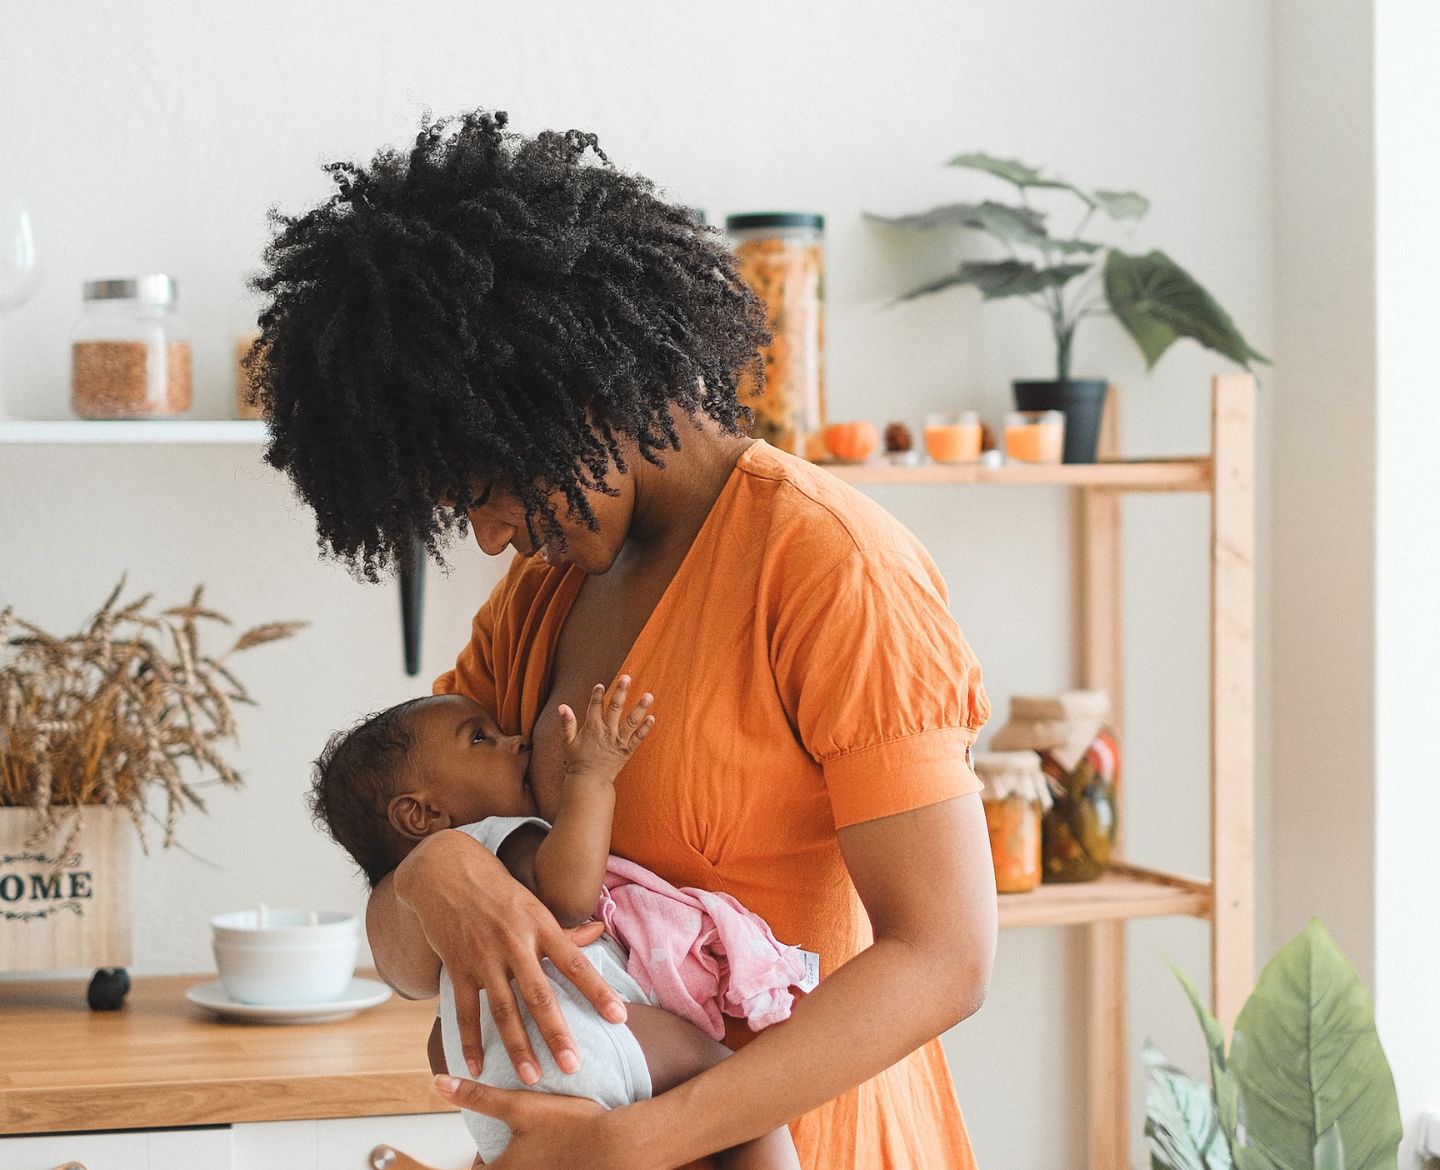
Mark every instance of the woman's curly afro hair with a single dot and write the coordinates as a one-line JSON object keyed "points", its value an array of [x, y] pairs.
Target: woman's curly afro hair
{"points": [[487, 310]]}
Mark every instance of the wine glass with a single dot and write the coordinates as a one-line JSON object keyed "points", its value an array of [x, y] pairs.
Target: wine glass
{"points": [[19, 268]]}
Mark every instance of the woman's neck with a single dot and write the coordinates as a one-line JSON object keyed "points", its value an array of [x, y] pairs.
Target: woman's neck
{"points": [[671, 502]]}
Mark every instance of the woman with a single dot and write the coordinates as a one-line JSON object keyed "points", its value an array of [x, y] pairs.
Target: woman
{"points": [[511, 335]]}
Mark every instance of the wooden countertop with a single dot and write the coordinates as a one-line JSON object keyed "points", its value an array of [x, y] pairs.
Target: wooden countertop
{"points": [[161, 1061]]}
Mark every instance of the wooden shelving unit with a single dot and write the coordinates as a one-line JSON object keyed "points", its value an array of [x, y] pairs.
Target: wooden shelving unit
{"points": [[1225, 899]]}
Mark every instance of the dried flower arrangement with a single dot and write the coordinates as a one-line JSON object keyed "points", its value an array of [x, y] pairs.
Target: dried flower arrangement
{"points": [[112, 713]]}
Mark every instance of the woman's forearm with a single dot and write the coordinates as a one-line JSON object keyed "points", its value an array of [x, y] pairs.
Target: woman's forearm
{"points": [[867, 1015]]}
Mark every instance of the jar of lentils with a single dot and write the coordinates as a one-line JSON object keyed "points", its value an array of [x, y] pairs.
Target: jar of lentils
{"points": [[128, 357], [781, 256]]}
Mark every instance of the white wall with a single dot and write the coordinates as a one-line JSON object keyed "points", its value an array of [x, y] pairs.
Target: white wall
{"points": [[152, 137], [1407, 549]]}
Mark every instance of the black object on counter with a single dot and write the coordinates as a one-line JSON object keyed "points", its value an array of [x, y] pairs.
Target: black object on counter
{"points": [[107, 991], [412, 603]]}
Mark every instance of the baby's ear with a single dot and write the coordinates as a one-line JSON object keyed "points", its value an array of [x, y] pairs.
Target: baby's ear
{"points": [[411, 815]]}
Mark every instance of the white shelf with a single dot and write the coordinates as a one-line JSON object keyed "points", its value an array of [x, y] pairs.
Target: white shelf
{"points": [[83, 431]]}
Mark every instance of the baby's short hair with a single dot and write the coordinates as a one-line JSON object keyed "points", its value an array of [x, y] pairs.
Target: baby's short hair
{"points": [[352, 784]]}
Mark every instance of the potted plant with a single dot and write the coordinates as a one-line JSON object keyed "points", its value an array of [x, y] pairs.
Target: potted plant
{"points": [[92, 727], [1304, 1081], [1072, 277]]}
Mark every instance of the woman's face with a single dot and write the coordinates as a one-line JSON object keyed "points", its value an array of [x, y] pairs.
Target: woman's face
{"points": [[499, 523]]}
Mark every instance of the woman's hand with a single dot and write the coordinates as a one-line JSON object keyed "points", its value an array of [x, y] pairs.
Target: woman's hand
{"points": [[487, 929], [550, 1131]]}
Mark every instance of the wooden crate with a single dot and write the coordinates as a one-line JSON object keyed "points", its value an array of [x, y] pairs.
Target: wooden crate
{"points": [[76, 915]]}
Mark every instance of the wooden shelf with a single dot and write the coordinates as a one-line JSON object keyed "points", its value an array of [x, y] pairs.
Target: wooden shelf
{"points": [[1148, 475], [148, 431], [1125, 892]]}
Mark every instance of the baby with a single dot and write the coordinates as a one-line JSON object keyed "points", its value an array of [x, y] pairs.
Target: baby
{"points": [[441, 762]]}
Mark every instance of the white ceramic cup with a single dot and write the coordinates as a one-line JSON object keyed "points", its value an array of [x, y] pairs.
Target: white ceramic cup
{"points": [[296, 957]]}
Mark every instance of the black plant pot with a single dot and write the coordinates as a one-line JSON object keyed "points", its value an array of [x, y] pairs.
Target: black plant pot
{"points": [[1083, 403]]}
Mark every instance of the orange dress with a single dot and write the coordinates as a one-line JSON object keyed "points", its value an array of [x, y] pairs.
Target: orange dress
{"points": [[807, 676]]}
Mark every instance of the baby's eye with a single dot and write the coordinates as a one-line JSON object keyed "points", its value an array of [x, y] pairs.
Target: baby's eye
{"points": [[480, 737]]}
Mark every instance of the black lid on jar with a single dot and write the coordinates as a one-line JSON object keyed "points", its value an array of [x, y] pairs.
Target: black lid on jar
{"points": [[775, 219]]}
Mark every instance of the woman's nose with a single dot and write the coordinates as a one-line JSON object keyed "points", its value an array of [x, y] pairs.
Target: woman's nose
{"points": [[492, 537]]}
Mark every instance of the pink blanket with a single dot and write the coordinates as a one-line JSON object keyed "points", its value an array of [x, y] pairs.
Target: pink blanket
{"points": [[700, 954]]}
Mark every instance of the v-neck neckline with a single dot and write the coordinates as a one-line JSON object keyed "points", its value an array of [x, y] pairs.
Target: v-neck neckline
{"points": [[705, 532]]}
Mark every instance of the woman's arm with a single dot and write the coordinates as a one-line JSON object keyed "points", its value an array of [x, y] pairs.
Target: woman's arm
{"points": [[926, 880]]}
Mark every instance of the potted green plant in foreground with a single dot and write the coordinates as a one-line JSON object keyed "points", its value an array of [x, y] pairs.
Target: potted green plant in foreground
{"points": [[93, 727], [1070, 278], [1304, 1083]]}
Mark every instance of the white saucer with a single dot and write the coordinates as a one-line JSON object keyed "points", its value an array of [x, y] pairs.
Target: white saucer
{"points": [[361, 994]]}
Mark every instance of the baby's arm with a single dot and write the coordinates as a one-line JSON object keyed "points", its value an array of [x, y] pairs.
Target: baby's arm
{"points": [[566, 866]]}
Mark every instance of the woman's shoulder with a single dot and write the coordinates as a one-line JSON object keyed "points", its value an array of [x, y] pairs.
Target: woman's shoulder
{"points": [[810, 515]]}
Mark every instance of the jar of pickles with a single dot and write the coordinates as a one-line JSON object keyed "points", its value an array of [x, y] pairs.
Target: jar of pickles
{"points": [[128, 358], [1016, 798], [781, 256], [1081, 761]]}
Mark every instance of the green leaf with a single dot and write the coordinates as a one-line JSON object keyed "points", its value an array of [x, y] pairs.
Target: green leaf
{"points": [[1122, 204], [1330, 1150], [1307, 1060], [1015, 278], [1181, 1127], [997, 218], [1157, 301], [1014, 171]]}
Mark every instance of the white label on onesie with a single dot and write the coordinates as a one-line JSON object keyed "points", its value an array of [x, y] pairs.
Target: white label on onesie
{"points": [[812, 971]]}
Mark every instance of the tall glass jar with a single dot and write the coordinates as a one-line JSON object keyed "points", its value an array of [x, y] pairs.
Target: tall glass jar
{"points": [[128, 357], [781, 256]]}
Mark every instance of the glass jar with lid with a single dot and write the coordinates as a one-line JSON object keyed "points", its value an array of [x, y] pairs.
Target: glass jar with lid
{"points": [[1081, 760], [1016, 800], [129, 357], [781, 256]]}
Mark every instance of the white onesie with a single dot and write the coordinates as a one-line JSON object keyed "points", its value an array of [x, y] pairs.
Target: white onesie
{"points": [[612, 1067]]}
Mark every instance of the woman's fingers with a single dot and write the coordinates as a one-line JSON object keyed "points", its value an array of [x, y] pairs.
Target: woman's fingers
{"points": [[467, 1021], [571, 962], [511, 1027], [539, 995], [586, 933], [518, 1109]]}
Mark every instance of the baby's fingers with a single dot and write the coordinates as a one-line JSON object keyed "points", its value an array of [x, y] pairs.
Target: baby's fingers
{"points": [[595, 711], [639, 721], [615, 706], [568, 726]]}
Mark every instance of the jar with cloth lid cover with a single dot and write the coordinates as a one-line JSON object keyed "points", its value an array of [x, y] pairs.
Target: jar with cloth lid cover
{"points": [[1016, 799], [1081, 760]]}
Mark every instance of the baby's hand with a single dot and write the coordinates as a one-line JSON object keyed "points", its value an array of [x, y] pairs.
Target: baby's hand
{"points": [[599, 747]]}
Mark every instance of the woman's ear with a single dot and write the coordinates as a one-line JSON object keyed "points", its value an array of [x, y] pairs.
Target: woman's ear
{"points": [[411, 815]]}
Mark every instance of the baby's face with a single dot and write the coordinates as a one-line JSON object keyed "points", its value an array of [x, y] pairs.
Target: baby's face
{"points": [[463, 764]]}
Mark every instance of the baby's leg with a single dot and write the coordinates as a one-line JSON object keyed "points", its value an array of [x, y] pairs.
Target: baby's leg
{"points": [[675, 1050]]}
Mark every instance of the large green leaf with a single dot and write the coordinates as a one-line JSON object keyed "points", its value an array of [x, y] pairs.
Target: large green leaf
{"points": [[1180, 1123], [1020, 225], [1306, 1059], [1015, 278], [1002, 220], [1330, 1150], [1157, 301], [1122, 204], [1014, 171]]}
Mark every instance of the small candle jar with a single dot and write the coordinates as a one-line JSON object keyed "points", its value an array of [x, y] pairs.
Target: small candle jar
{"points": [[953, 438], [1035, 436], [1016, 799]]}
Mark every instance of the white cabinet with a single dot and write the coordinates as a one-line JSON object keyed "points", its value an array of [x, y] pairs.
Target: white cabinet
{"points": [[437, 1140], [156, 1149]]}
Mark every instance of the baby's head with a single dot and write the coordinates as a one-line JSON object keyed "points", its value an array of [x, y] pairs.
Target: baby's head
{"points": [[414, 769]]}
